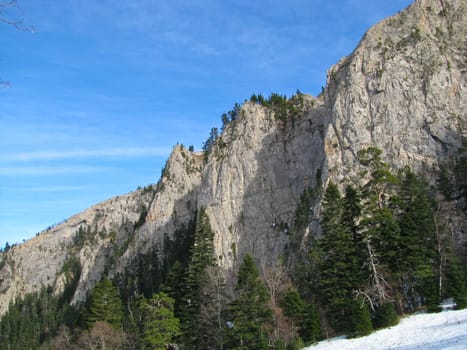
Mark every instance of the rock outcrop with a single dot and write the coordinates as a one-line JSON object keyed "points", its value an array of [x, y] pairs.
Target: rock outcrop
{"points": [[401, 90]]}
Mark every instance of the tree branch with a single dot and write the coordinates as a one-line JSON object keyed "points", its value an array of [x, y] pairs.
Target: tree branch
{"points": [[19, 24]]}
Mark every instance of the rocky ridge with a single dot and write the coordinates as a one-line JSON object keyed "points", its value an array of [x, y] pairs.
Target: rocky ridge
{"points": [[401, 90]]}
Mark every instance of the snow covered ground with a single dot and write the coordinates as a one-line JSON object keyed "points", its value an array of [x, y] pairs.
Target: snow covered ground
{"points": [[444, 330]]}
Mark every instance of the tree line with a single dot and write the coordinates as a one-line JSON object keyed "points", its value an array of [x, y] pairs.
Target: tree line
{"points": [[383, 251]]}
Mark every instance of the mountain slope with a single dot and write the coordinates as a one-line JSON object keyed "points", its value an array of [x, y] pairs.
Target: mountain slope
{"points": [[402, 90]]}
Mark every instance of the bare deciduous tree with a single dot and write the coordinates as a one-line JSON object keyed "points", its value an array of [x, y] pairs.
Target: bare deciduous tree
{"points": [[6, 7], [102, 336], [277, 281], [378, 290], [18, 23]]}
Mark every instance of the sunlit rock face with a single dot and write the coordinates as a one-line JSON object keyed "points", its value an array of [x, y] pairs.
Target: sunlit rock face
{"points": [[401, 90]]}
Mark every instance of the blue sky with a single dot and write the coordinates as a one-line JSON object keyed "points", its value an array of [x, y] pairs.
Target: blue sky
{"points": [[102, 90]]}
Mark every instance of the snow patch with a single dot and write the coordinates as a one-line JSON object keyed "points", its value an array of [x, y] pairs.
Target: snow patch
{"points": [[438, 331]]}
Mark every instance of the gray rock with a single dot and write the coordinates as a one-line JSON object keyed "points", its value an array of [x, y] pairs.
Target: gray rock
{"points": [[401, 90]]}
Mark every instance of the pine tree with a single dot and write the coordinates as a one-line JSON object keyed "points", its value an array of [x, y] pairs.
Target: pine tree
{"points": [[361, 321], [460, 171], [352, 214], [417, 241], [385, 316], [338, 269], [31, 320], [456, 282], [377, 227], [160, 326], [204, 300], [303, 315], [175, 285], [251, 316], [104, 304]]}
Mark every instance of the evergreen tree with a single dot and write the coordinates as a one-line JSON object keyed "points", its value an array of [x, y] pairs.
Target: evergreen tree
{"points": [[175, 285], [460, 171], [303, 315], [417, 241], [104, 304], [352, 215], [32, 319], [160, 327], [338, 269], [361, 321], [456, 282], [378, 227], [209, 143], [210, 321], [384, 231], [251, 316], [385, 316], [203, 301], [352, 211]]}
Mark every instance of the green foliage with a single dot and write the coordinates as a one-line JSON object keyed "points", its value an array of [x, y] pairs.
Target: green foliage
{"points": [[361, 319], [209, 143], [6, 248], [203, 299], [104, 304], [456, 282], [72, 270], [283, 107], [385, 316], [379, 241], [459, 171], [147, 273], [304, 209], [33, 319], [338, 269], [452, 182], [251, 316], [202, 254], [383, 230], [81, 236], [417, 238], [175, 285], [445, 183], [230, 116], [143, 212], [304, 316], [293, 305], [159, 325]]}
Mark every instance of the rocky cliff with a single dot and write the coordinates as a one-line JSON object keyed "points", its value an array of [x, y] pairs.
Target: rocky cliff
{"points": [[401, 90]]}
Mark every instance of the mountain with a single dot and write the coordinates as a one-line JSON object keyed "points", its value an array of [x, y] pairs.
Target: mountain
{"points": [[402, 90]]}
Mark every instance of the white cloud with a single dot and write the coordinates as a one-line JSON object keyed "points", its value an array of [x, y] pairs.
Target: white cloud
{"points": [[48, 189], [52, 170], [123, 152]]}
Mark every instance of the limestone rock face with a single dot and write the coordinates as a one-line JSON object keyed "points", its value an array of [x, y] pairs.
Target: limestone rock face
{"points": [[39, 261], [255, 176], [401, 90]]}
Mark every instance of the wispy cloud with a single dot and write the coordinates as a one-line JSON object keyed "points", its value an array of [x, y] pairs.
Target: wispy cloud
{"points": [[52, 170], [124, 152], [47, 189]]}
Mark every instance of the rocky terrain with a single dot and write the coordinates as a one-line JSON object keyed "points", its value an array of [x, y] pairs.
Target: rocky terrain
{"points": [[402, 90]]}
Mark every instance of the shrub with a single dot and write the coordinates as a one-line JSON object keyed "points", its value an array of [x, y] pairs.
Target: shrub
{"points": [[385, 316], [361, 321]]}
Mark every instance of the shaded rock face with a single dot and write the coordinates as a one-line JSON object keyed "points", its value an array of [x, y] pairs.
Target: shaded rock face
{"points": [[402, 90], [252, 185]]}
